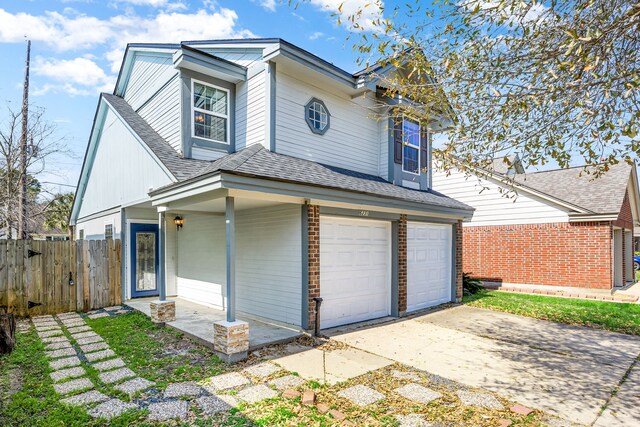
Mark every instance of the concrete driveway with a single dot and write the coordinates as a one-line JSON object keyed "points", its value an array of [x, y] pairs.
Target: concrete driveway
{"points": [[566, 370]]}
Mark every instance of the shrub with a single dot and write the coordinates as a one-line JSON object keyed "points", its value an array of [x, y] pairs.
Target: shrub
{"points": [[470, 285]]}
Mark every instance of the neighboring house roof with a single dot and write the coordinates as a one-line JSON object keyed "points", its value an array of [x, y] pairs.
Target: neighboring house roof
{"points": [[258, 162], [601, 195], [180, 167]]}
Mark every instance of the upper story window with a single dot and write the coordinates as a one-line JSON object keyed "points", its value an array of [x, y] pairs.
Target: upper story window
{"points": [[210, 112], [108, 231], [411, 146], [317, 116]]}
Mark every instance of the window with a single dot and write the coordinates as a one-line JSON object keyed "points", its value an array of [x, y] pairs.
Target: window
{"points": [[317, 116], [108, 231], [210, 112], [81, 235], [411, 146]]}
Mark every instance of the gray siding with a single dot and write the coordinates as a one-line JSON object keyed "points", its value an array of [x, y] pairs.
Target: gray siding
{"points": [[352, 142], [162, 112], [149, 72], [122, 171], [250, 112]]}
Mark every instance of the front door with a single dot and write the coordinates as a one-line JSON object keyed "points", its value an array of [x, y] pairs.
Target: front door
{"points": [[144, 260]]}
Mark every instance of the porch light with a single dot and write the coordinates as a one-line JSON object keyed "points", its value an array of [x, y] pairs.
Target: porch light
{"points": [[179, 222]]}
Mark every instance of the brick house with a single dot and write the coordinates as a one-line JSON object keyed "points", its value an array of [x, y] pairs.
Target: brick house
{"points": [[556, 227]]}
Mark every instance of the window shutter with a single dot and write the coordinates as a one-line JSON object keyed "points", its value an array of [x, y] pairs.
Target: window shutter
{"points": [[424, 149], [397, 140]]}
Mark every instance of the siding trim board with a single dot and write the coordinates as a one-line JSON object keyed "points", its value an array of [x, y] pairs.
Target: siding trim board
{"points": [[270, 112]]}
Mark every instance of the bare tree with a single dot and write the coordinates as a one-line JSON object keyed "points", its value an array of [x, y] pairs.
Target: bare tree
{"points": [[43, 145]]}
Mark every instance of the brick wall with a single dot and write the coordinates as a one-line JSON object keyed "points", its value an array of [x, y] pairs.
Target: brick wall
{"points": [[459, 264], [402, 264], [313, 218], [561, 254]]}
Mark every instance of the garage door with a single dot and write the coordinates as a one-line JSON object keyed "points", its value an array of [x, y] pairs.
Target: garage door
{"points": [[428, 265], [355, 270]]}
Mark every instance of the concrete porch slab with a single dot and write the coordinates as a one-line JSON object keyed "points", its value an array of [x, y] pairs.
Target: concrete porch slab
{"points": [[196, 321]]}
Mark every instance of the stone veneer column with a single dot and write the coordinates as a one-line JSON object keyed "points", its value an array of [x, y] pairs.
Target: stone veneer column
{"points": [[458, 243], [402, 265], [313, 230], [163, 311], [231, 340]]}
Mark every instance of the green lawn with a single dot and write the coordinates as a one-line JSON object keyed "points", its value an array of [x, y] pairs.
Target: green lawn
{"points": [[616, 317]]}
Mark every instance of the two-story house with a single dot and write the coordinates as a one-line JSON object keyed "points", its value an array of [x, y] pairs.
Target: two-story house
{"points": [[252, 175]]}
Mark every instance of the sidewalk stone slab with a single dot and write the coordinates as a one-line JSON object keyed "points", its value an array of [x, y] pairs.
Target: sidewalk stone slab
{"points": [[288, 381], [73, 385], [98, 315], [61, 352], [418, 393], [77, 329], [111, 377], [64, 362], [412, 420], [51, 333], [68, 314], [92, 396], [99, 355], [71, 323], [63, 374], [48, 326], [57, 345], [413, 376], [213, 404], [60, 338], [230, 380], [88, 348], [134, 385], [256, 393], [121, 312], [89, 340], [45, 318], [168, 410], [87, 334], [113, 308], [185, 389], [109, 364], [483, 400], [361, 395], [111, 408], [522, 410], [262, 370]]}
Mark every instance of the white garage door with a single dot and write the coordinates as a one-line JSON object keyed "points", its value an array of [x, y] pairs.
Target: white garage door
{"points": [[428, 265], [355, 270]]}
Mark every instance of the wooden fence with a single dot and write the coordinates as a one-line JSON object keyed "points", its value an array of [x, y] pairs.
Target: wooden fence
{"points": [[46, 277]]}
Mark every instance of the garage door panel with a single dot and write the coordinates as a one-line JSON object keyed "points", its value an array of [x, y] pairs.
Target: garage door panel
{"points": [[428, 265], [354, 270]]}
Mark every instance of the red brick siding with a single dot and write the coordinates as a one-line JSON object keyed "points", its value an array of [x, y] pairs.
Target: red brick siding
{"points": [[459, 263], [561, 254], [402, 264], [313, 218]]}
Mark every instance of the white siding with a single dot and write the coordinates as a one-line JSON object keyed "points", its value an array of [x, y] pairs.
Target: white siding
{"points": [[244, 57], [123, 170], [201, 260], [206, 154], [94, 228], [492, 206], [149, 72], [269, 262], [162, 112], [250, 111], [352, 142]]}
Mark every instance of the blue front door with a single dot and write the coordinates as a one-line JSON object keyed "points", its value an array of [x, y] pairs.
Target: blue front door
{"points": [[144, 260]]}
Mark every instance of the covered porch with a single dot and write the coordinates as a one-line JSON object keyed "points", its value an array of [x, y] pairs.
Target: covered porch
{"points": [[196, 321]]}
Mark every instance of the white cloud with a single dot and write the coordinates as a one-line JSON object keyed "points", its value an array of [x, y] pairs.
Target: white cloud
{"points": [[316, 35], [74, 32], [160, 4], [79, 76], [522, 13], [365, 13], [269, 5]]}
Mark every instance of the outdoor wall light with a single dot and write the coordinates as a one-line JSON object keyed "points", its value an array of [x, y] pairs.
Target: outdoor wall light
{"points": [[179, 222]]}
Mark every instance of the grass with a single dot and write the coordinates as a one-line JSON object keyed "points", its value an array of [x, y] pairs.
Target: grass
{"points": [[615, 317]]}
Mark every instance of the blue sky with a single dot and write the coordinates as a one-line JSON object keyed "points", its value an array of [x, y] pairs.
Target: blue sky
{"points": [[77, 47]]}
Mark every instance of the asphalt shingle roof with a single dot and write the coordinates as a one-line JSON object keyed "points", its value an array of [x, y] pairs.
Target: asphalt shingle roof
{"points": [[259, 162], [602, 195]]}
